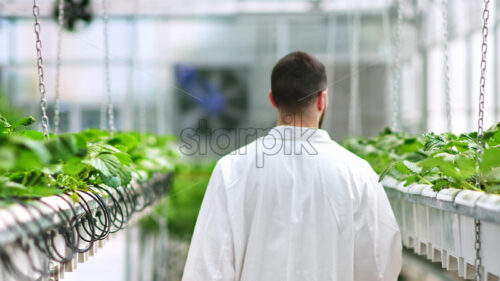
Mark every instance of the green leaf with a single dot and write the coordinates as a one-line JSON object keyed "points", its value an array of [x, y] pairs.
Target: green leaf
{"points": [[401, 167], [496, 137], [43, 191], [411, 179], [36, 147], [7, 159], [490, 159], [52, 169], [7, 186], [27, 121], [124, 158], [96, 149], [102, 163], [409, 145], [122, 177], [27, 160], [5, 127], [441, 184], [110, 170], [466, 165], [12, 189], [386, 172], [413, 167], [124, 141], [74, 197], [94, 135], [492, 135], [30, 134], [73, 166], [66, 146]]}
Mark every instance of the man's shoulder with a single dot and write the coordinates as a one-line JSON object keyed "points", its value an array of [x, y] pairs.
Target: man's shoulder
{"points": [[243, 154], [237, 163], [349, 162]]}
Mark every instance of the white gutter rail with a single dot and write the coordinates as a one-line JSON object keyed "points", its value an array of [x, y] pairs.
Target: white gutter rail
{"points": [[41, 239], [440, 225]]}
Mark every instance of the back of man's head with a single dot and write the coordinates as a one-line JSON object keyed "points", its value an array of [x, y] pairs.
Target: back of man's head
{"points": [[296, 80]]}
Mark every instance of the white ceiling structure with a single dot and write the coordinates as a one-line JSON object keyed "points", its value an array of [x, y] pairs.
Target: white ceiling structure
{"points": [[177, 8]]}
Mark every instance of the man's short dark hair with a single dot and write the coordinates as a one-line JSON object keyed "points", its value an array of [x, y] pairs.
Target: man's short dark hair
{"points": [[296, 80]]}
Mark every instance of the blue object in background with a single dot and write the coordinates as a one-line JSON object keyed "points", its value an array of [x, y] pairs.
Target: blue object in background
{"points": [[201, 91]]}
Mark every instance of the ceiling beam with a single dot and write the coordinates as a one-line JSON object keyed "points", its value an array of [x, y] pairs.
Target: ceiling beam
{"points": [[175, 9]]}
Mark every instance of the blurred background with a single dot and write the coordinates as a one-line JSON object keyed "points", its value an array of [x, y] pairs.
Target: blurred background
{"points": [[205, 65], [223, 51]]}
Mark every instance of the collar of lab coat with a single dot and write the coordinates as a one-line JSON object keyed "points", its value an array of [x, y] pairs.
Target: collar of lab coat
{"points": [[298, 133]]}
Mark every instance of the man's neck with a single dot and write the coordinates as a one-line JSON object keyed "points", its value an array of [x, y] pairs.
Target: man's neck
{"points": [[297, 121]]}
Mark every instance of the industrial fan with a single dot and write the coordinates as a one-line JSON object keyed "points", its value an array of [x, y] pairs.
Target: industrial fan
{"points": [[77, 14], [211, 98]]}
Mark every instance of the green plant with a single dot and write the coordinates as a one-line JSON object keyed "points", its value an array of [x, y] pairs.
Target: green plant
{"points": [[439, 160], [182, 204], [31, 166]]}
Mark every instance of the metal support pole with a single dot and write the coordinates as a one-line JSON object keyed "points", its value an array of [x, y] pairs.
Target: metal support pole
{"points": [[128, 255], [469, 97], [330, 58], [386, 24], [282, 38], [128, 118], [496, 85], [396, 93], [354, 126]]}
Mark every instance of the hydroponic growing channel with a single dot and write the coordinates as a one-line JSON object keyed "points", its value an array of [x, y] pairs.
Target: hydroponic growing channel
{"points": [[62, 196], [438, 184]]}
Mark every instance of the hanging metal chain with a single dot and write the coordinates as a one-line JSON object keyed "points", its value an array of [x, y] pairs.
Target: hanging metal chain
{"points": [[60, 21], [397, 68], [447, 89], [482, 91], [477, 247], [110, 109], [41, 75], [482, 81]]}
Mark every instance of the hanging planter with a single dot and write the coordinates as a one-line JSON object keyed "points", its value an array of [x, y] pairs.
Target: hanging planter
{"points": [[440, 225], [63, 233], [62, 196], [442, 188]]}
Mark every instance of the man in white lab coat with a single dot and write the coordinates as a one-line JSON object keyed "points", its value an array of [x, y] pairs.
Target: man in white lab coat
{"points": [[294, 205]]}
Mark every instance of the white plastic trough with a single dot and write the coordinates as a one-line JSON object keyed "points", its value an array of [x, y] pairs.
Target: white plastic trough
{"points": [[440, 226], [33, 221]]}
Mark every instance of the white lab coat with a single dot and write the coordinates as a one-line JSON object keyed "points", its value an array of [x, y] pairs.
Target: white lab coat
{"points": [[294, 206]]}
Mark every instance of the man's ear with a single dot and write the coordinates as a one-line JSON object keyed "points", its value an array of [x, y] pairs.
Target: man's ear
{"points": [[271, 99], [327, 99], [322, 101]]}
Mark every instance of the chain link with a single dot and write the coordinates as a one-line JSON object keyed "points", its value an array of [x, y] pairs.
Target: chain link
{"points": [[397, 67], [482, 81], [60, 20], [110, 109], [477, 247], [444, 9], [482, 91], [41, 76]]}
